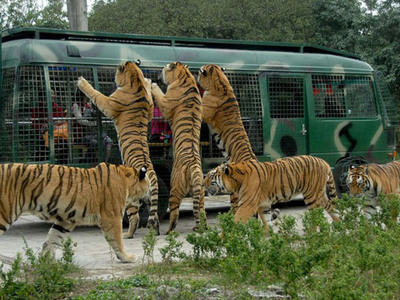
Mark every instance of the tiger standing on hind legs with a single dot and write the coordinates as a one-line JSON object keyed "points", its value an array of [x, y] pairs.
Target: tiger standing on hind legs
{"points": [[222, 114], [131, 108], [70, 197], [181, 106]]}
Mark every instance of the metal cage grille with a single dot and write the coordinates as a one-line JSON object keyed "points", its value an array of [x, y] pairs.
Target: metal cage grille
{"points": [[286, 97], [7, 113], [29, 129], [390, 109], [328, 96], [340, 96], [359, 94]]}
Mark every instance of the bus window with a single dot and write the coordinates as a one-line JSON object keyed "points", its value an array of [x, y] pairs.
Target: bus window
{"points": [[328, 96], [286, 97], [360, 99]]}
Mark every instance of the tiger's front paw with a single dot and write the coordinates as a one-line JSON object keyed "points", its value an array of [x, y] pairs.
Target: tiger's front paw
{"points": [[127, 235], [155, 225], [147, 83], [83, 83], [128, 258], [155, 87]]}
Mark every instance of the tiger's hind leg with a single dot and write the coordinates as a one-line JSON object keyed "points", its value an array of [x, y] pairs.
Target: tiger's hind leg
{"points": [[321, 200], [198, 197], [57, 233], [112, 231], [174, 204], [132, 212]]}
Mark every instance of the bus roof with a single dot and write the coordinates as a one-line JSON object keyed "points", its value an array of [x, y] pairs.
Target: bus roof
{"points": [[99, 48]]}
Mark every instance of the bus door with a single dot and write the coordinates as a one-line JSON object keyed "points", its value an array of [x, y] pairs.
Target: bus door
{"points": [[344, 118], [285, 126]]}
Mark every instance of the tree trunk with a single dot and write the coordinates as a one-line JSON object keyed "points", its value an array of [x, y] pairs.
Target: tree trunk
{"points": [[77, 14]]}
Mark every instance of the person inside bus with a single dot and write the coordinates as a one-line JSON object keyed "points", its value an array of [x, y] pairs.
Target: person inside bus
{"points": [[160, 133], [86, 128], [60, 129]]}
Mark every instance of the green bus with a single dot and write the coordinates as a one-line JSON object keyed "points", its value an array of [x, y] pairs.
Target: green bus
{"points": [[294, 98]]}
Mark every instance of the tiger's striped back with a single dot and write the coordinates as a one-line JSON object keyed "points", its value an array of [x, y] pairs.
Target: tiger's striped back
{"points": [[182, 107]]}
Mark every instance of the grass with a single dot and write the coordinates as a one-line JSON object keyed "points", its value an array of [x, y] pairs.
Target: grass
{"points": [[39, 276], [355, 258]]}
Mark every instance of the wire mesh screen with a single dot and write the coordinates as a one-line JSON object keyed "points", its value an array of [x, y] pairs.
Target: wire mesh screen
{"points": [[390, 109], [337, 95], [7, 113], [359, 94], [78, 136], [69, 134], [328, 94], [286, 97]]}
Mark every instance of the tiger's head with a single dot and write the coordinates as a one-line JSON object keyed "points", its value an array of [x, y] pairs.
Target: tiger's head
{"points": [[129, 76], [224, 178], [217, 90], [176, 71], [136, 181], [358, 180]]}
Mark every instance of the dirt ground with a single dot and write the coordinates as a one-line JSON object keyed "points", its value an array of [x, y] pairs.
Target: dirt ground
{"points": [[93, 252]]}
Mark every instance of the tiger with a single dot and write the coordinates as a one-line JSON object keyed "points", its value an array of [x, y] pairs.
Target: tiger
{"points": [[222, 114], [70, 197], [131, 108], [371, 180], [182, 107], [262, 184]]}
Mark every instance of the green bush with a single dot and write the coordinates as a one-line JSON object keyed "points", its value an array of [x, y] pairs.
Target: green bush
{"points": [[39, 277], [356, 257]]}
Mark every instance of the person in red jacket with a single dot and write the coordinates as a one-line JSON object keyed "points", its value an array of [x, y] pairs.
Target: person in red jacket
{"points": [[40, 123]]}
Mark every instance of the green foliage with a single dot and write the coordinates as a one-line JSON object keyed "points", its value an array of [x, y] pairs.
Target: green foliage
{"points": [[40, 277], [27, 13], [118, 289], [353, 258], [149, 242], [173, 249]]}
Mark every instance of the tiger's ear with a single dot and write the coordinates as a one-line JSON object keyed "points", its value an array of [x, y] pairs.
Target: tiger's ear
{"points": [[223, 69], [203, 72], [138, 62], [367, 171], [226, 170], [121, 68], [142, 172]]}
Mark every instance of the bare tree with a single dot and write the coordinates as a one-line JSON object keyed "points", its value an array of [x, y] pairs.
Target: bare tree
{"points": [[77, 14]]}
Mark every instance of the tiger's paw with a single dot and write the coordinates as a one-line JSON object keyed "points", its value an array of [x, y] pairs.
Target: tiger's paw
{"points": [[147, 83], [127, 235], [83, 83], [155, 225], [155, 88], [128, 258]]}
